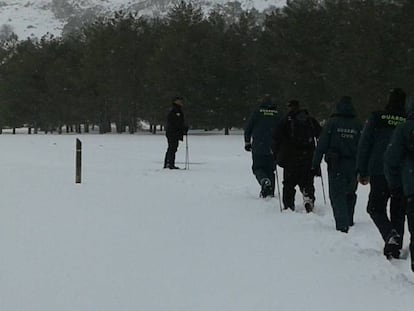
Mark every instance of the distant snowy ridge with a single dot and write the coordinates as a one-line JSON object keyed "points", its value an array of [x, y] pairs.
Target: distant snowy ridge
{"points": [[35, 18]]}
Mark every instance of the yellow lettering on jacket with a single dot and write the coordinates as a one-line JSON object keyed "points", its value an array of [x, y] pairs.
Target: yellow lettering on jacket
{"points": [[392, 119], [268, 112]]}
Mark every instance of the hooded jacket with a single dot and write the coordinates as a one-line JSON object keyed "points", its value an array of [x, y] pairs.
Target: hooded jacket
{"points": [[175, 127], [340, 135], [260, 127], [377, 133], [399, 156]]}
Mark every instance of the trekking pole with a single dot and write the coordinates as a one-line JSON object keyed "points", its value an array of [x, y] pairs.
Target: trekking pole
{"points": [[278, 190], [323, 189], [323, 184], [187, 156]]}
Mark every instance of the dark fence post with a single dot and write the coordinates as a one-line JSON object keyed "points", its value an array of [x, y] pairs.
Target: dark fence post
{"points": [[78, 161]]}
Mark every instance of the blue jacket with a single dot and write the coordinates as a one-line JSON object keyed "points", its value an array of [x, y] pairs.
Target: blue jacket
{"points": [[260, 127], [340, 135], [375, 138], [399, 157]]}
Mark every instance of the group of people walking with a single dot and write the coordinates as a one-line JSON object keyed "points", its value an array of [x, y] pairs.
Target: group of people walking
{"points": [[287, 141], [380, 153]]}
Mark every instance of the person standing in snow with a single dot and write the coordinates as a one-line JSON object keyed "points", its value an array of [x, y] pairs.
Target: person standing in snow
{"points": [[293, 147], [339, 143], [175, 131], [375, 138], [399, 168], [258, 139]]}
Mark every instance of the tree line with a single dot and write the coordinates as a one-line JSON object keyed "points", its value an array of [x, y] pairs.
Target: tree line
{"points": [[126, 68]]}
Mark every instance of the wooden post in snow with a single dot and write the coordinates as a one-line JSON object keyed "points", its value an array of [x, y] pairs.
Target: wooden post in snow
{"points": [[78, 161]]}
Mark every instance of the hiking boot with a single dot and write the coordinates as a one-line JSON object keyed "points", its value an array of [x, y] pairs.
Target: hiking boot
{"points": [[173, 167], [308, 203], [392, 245], [412, 256], [344, 230], [266, 187]]}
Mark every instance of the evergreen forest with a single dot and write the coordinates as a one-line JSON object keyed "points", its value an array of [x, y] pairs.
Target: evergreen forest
{"points": [[126, 68]]}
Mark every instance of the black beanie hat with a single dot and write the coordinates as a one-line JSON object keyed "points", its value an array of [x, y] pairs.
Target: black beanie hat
{"points": [[396, 99], [177, 98], [293, 103], [346, 100], [267, 99], [344, 106]]}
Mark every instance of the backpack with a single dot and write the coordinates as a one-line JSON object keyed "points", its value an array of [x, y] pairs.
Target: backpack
{"points": [[301, 132]]}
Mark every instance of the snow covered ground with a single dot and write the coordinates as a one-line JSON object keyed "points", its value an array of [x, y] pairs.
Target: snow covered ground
{"points": [[133, 236]]}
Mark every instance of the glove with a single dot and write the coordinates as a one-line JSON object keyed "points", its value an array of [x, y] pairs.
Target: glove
{"points": [[363, 180], [316, 172], [185, 130], [248, 147], [397, 192]]}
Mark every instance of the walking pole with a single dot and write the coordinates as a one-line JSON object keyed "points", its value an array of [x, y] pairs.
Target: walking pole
{"points": [[323, 184], [187, 156], [323, 189], [278, 190]]}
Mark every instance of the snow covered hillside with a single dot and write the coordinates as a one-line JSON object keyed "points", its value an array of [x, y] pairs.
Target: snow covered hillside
{"points": [[29, 18], [136, 237]]}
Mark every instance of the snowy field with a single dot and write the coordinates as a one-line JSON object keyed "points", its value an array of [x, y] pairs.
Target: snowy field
{"points": [[136, 237]]}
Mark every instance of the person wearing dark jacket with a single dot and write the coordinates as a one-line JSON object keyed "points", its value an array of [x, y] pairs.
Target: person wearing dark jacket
{"points": [[399, 168], [293, 147], [374, 140], [258, 139], [175, 131], [339, 143]]}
